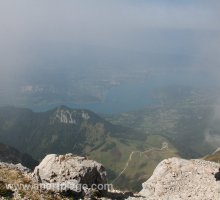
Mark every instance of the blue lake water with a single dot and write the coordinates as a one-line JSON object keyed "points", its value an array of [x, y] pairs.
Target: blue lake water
{"points": [[134, 95]]}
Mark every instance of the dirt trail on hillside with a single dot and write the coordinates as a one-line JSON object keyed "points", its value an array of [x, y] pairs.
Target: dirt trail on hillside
{"points": [[164, 147]]}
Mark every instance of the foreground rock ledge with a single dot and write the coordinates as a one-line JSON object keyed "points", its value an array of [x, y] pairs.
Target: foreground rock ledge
{"points": [[179, 179], [70, 172]]}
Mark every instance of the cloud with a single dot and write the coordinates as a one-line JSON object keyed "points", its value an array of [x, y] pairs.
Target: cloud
{"points": [[38, 37]]}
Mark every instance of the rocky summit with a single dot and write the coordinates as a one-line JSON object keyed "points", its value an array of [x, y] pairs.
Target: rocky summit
{"points": [[179, 179], [57, 177], [68, 176]]}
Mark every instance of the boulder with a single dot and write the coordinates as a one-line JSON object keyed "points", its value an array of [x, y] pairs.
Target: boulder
{"points": [[62, 173], [179, 179]]}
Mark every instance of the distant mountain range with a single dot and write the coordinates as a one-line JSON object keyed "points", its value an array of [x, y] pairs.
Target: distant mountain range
{"points": [[59, 130], [81, 132], [128, 144]]}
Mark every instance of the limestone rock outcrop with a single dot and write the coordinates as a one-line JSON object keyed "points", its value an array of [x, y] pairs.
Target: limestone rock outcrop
{"points": [[70, 173], [179, 179]]}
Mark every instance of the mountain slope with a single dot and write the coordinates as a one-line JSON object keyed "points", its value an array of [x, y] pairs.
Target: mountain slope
{"points": [[192, 129], [130, 163], [214, 157], [82, 132], [12, 155], [58, 131]]}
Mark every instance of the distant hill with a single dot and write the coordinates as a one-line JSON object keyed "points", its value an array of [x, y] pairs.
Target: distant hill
{"points": [[82, 132], [11, 155], [59, 130]]}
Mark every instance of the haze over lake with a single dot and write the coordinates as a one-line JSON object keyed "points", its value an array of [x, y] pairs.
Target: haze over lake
{"points": [[80, 54]]}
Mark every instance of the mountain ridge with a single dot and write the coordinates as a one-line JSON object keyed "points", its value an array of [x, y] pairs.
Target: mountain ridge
{"points": [[14, 122], [11, 155], [78, 131]]}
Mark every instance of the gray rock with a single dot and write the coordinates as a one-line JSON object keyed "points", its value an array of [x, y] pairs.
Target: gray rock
{"points": [[61, 173], [179, 179], [18, 166]]}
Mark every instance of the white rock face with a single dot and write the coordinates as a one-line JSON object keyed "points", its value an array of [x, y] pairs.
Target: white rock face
{"points": [[69, 172], [65, 116], [68, 116], [179, 179], [85, 116]]}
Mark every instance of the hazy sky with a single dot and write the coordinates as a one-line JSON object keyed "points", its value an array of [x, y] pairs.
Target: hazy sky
{"points": [[44, 36]]}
